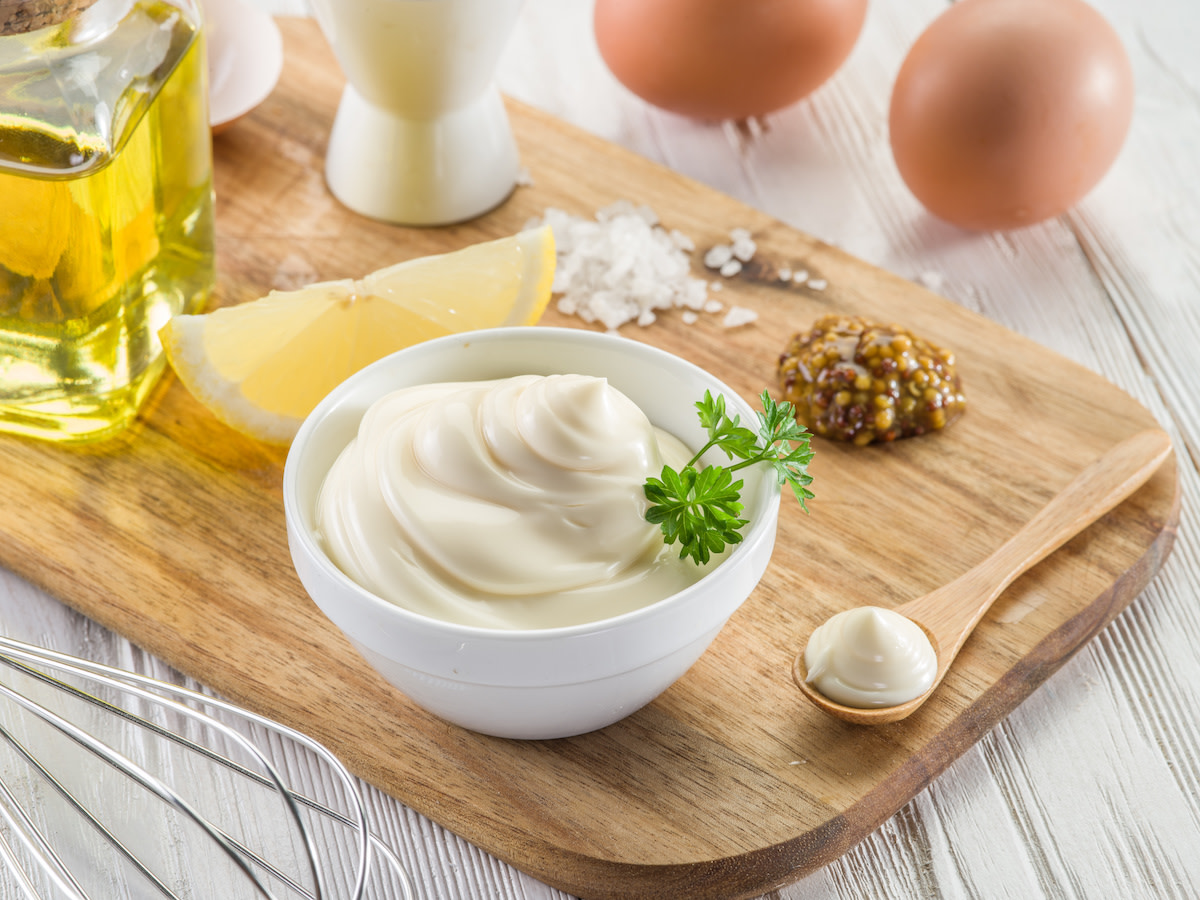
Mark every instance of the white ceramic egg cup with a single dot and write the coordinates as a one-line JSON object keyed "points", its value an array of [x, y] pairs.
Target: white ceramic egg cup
{"points": [[421, 135]]}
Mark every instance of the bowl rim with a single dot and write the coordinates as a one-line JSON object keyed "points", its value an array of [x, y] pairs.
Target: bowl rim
{"points": [[755, 532]]}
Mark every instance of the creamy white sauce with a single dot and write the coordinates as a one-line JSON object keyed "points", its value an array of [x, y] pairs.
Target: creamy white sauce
{"points": [[870, 657], [514, 503]]}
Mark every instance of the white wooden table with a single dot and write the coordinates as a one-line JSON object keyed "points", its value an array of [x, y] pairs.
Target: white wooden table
{"points": [[1092, 787]]}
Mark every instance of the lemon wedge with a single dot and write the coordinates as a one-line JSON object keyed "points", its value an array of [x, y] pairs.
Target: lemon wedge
{"points": [[262, 366]]}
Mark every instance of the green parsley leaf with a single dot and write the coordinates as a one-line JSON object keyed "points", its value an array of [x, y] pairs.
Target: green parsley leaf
{"points": [[700, 508]]}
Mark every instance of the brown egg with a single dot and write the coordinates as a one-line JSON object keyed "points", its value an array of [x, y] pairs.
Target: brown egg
{"points": [[716, 59], [1007, 112]]}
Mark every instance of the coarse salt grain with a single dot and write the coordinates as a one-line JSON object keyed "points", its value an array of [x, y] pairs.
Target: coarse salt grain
{"points": [[738, 316], [718, 255], [682, 241], [818, 284], [621, 267], [741, 248], [694, 294], [744, 249]]}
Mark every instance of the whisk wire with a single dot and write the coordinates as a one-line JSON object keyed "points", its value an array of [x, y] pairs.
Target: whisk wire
{"points": [[27, 659], [207, 752], [142, 777], [35, 843], [28, 891]]}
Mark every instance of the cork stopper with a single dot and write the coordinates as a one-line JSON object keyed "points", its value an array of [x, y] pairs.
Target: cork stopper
{"points": [[20, 16]]}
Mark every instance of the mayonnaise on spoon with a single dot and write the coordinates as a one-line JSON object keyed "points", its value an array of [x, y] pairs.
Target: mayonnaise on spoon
{"points": [[948, 615], [870, 657]]}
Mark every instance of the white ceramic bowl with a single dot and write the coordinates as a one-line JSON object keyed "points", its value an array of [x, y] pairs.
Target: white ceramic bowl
{"points": [[544, 683]]}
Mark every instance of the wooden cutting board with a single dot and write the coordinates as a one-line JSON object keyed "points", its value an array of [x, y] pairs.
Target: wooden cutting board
{"points": [[729, 784]]}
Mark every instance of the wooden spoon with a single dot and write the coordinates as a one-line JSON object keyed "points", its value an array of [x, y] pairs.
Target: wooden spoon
{"points": [[949, 614]]}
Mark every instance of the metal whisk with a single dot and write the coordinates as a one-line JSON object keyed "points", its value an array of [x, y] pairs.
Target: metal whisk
{"points": [[197, 808]]}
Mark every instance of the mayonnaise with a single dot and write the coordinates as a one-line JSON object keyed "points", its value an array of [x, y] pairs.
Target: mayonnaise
{"points": [[514, 503], [870, 657]]}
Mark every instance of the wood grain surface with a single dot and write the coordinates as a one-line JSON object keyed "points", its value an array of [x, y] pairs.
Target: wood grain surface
{"points": [[727, 785]]}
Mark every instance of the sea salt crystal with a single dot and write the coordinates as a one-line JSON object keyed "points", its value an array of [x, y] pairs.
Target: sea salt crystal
{"points": [[818, 284], [738, 316], [718, 256], [682, 241], [800, 277], [694, 294], [785, 274], [622, 266], [744, 249]]}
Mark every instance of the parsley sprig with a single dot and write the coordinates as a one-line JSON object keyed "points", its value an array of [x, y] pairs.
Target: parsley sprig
{"points": [[700, 508]]}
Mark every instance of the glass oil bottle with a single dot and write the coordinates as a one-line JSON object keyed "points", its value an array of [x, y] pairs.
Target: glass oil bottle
{"points": [[106, 206]]}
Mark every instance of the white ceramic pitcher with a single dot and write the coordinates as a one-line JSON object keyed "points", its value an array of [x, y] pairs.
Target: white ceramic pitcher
{"points": [[421, 135]]}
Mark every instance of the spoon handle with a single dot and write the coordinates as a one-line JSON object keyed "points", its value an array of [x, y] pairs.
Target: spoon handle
{"points": [[951, 612]]}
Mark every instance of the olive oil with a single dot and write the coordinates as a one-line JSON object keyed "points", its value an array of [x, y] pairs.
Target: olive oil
{"points": [[106, 211]]}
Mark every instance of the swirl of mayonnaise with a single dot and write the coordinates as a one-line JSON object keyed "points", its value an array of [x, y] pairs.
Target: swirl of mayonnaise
{"points": [[870, 657], [513, 503]]}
